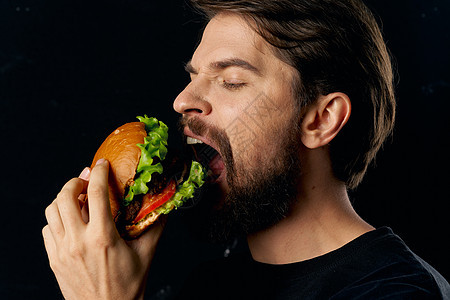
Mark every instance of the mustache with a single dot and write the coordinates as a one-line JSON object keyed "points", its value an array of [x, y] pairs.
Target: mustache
{"points": [[214, 134], [197, 126]]}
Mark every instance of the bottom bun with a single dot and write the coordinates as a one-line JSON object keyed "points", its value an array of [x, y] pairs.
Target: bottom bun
{"points": [[135, 230]]}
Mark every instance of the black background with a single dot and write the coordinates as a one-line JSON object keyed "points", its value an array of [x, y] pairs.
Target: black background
{"points": [[72, 71]]}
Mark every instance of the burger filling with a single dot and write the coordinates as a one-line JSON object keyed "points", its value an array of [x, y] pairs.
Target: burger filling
{"points": [[152, 192]]}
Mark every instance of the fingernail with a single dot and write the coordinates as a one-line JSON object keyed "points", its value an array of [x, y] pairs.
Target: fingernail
{"points": [[85, 174], [101, 161]]}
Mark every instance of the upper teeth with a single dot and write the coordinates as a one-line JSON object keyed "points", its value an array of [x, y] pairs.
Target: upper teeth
{"points": [[191, 140]]}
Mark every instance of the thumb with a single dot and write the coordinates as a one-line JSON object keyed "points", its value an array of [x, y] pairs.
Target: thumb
{"points": [[145, 245]]}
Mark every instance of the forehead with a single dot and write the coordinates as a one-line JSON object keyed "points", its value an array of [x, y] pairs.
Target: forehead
{"points": [[229, 35]]}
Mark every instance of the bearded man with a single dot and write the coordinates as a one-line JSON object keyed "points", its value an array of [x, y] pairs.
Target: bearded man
{"points": [[295, 98]]}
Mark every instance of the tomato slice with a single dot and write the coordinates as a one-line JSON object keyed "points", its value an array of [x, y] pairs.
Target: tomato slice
{"points": [[152, 202]]}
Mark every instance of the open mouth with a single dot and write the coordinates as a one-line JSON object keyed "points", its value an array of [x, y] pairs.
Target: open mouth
{"points": [[209, 157]]}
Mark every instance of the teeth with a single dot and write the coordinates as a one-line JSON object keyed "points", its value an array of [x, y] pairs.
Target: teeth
{"points": [[191, 141]]}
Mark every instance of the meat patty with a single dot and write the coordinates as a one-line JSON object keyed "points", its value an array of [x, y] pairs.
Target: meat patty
{"points": [[174, 167]]}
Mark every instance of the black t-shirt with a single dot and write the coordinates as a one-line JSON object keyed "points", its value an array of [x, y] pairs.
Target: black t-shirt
{"points": [[376, 265]]}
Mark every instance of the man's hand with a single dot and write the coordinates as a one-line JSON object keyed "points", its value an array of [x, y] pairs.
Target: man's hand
{"points": [[89, 258]]}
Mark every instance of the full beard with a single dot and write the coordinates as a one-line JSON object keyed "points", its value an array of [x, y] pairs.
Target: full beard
{"points": [[258, 197]]}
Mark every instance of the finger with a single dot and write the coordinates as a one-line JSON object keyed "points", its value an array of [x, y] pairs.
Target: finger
{"points": [[49, 243], [85, 175], [68, 204], [55, 224], [85, 212], [99, 207], [82, 200]]}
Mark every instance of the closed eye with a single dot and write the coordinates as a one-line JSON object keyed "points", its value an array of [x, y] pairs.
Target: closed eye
{"points": [[232, 85]]}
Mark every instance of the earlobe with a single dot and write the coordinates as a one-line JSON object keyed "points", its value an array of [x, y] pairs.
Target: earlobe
{"points": [[323, 120]]}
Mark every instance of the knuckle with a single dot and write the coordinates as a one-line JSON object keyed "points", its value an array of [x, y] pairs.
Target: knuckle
{"points": [[64, 193], [51, 215], [103, 240], [61, 257], [48, 211], [75, 251], [69, 188], [70, 253], [54, 265], [45, 231], [64, 196]]}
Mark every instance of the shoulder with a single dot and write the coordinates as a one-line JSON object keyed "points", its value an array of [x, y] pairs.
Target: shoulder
{"points": [[401, 275], [408, 286], [392, 289]]}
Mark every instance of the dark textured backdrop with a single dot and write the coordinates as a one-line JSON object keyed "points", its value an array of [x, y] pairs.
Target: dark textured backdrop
{"points": [[71, 71]]}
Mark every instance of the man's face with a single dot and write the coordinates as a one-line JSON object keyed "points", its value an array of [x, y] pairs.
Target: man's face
{"points": [[240, 103]]}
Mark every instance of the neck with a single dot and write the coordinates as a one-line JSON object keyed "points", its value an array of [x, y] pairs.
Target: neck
{"points": [[322, 220]]}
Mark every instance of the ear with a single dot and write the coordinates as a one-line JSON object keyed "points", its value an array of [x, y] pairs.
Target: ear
{"points": [[323, 120]]}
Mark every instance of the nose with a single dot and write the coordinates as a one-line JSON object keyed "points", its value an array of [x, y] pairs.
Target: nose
{"points": [[190, 102]]}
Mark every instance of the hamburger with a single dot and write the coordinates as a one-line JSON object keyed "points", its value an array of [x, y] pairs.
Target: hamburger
{"points": [[145, 179]]}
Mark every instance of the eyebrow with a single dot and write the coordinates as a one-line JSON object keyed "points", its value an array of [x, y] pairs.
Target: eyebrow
{"points": [[223, 64]]}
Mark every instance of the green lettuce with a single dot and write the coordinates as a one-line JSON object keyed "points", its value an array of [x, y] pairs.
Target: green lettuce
{"points": [[185, 190], [155, 145]]}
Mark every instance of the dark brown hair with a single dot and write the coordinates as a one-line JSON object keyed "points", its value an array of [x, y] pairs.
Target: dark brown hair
{"points": [[336, 46]]}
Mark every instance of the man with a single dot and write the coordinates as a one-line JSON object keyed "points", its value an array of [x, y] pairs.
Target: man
{"points": [[297, 98]]}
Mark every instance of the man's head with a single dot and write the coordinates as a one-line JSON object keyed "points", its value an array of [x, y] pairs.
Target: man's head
{"points": [[334, 46], [271, 78], [240, 102]]}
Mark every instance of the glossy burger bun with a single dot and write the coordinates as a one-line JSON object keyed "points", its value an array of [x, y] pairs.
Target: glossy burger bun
{"points": [[120, 149]]}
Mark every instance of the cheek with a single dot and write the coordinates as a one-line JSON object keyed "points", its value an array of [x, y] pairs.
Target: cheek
{"points": [[241, 130], [253, 123], [253, 145], [259, 121]]}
